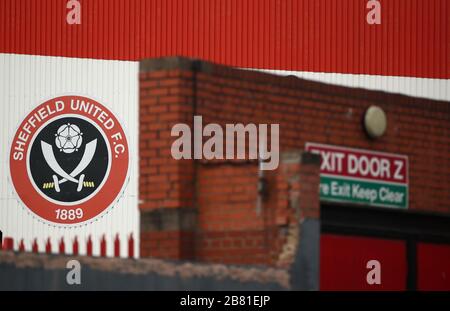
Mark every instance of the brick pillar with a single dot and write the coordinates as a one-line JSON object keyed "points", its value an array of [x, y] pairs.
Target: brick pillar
{"points": [[166, 185], [309, 182], [302, 173]]}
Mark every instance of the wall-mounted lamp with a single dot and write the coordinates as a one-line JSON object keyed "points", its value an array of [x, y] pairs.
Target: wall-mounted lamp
{"points": [[375, 122]]}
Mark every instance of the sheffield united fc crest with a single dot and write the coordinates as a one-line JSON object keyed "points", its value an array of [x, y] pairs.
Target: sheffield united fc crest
{"points": [[69, 160]]}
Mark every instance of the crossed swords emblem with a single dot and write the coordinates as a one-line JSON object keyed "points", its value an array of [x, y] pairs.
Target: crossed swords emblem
{"points": [[49, 156]]}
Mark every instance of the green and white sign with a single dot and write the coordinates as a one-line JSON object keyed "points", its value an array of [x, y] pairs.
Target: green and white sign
{"points": [[362, 176]]}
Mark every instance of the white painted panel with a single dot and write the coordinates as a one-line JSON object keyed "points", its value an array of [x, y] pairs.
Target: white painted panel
{"points": [[25, 82], [438, 89]]}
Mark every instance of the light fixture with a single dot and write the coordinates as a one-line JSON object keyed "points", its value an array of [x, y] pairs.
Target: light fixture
{"points": [[375, 121]]}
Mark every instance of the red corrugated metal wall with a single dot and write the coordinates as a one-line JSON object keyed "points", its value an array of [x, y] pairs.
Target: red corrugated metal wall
{"points": [[305, 35]]}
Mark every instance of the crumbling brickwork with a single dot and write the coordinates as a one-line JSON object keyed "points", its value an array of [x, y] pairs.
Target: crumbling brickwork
{"points": [[207, 210]]}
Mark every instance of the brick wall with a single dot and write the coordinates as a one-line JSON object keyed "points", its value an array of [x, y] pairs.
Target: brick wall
{"points": [[166, 98], [207, 210]]}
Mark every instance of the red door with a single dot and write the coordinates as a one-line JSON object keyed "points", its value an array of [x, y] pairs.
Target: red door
{"points": [[343, 261], [433, 266]]}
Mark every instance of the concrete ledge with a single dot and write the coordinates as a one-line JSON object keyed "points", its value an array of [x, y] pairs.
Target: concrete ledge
{"points": [[181, 63], [310, 158], [168, 219], [300, 157], [49, 271], [167, 63]]}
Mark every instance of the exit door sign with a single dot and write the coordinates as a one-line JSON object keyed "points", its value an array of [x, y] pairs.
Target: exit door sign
{"points": [[362, 176]]}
